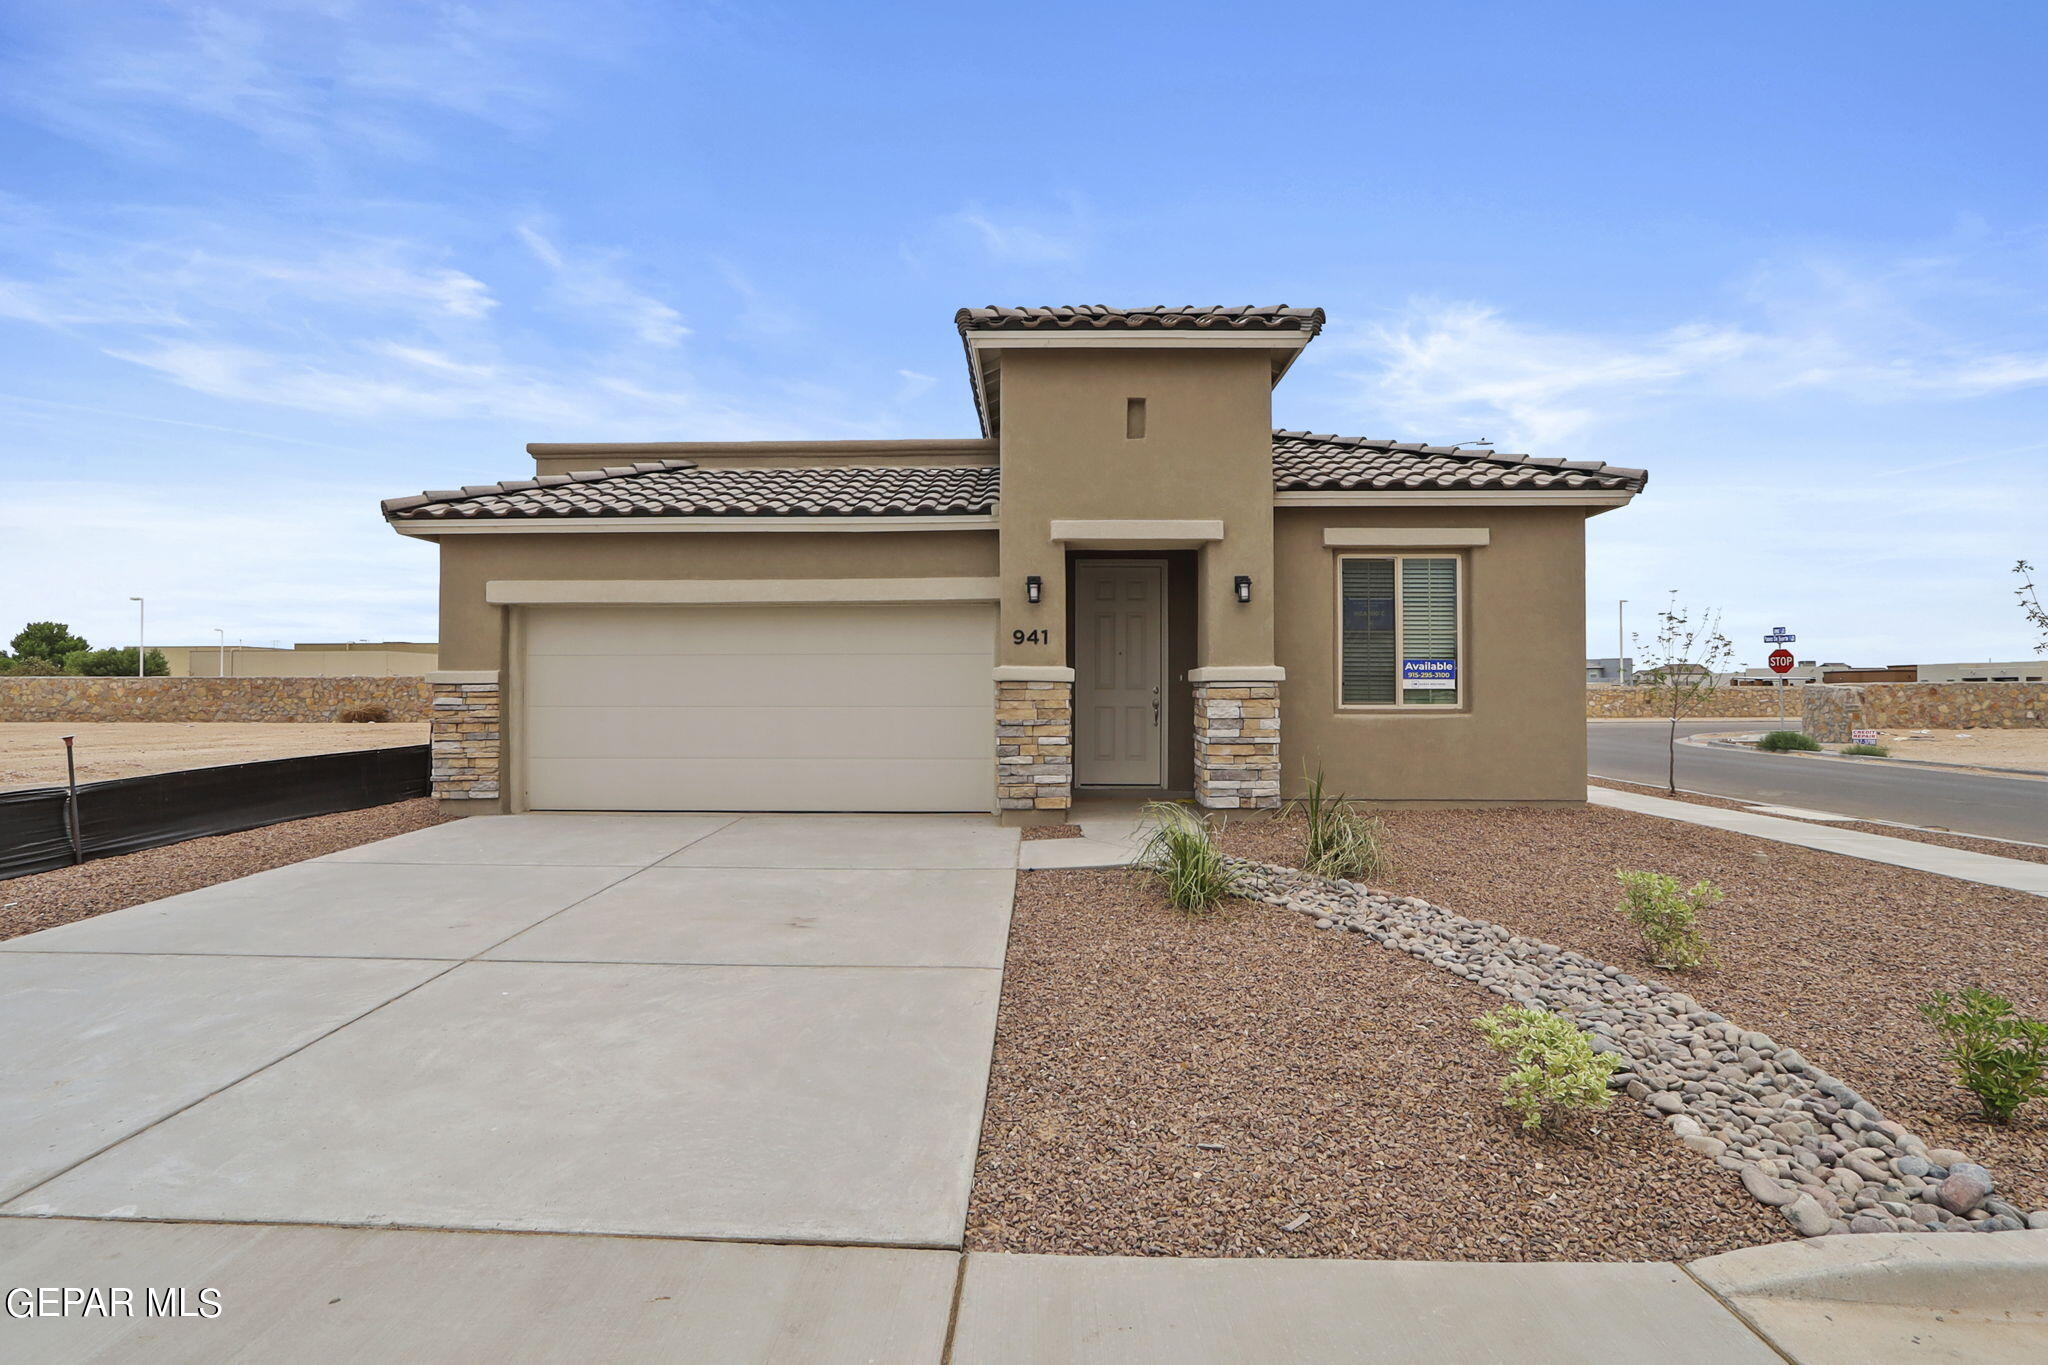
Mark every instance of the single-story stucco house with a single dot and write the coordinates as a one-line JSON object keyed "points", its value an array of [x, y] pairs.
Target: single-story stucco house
{"points": [[1129, 583]]}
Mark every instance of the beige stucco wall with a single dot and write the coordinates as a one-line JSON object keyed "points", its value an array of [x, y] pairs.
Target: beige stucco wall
{"points": [[472, 630], [1521, 735], [1206, 455]]}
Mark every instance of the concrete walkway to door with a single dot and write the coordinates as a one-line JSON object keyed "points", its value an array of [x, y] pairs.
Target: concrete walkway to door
{"points": [[770, 1028]]}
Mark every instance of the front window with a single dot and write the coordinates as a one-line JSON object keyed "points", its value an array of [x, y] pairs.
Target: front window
{"points": [[1399, 635]]}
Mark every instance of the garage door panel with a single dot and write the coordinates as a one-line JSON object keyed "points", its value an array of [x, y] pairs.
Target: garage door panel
{"points": [[845, 628], [622, 680], [760, 731], [763, 784], [847, 706]]}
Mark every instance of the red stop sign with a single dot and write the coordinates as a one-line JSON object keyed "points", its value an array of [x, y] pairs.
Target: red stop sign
{"points": [[1781, 661]]}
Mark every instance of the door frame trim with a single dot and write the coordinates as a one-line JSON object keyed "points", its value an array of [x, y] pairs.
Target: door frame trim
{"points": [[1159, 566]]}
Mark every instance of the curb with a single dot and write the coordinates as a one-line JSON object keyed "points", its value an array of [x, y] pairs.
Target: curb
{"points": [[1895, 1268], [1711, 742]]}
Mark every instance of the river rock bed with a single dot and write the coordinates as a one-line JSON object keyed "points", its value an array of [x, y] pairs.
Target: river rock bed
{"points": [[1799, 1140]]}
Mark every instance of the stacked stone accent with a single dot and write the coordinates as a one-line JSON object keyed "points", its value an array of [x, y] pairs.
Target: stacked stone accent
{"points": [[208, 700], [1237, 745], [467, 740], [1831, 713], [1034, 745]]}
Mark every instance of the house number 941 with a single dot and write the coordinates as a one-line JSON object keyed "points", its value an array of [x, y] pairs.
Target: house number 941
{"points": [[1031, 637]]}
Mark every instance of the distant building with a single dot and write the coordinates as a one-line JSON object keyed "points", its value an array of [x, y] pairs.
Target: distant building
{"points": [[357, 659], [2026, 670], [1609, 670], [1805, 671]]}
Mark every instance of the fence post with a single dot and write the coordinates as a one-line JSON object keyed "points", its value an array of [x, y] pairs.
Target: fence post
{"points": [[71, 800]]}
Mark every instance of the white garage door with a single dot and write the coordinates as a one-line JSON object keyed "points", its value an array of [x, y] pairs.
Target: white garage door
{"points": [[867, 706]]}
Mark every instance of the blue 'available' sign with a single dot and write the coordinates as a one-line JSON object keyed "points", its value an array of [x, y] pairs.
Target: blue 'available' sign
{"points": [[1428, 674]]}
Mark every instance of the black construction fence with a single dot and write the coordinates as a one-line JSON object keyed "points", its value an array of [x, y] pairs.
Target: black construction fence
{"points": [[124, 814]]}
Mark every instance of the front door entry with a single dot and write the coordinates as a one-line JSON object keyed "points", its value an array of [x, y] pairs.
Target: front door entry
{"points": [[1119, 672]]}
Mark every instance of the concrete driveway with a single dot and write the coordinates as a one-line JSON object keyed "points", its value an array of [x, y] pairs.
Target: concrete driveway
{"points": [[764, 1028]]}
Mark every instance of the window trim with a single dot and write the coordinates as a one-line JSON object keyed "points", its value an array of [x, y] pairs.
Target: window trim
{"points": [[1397, 707]]}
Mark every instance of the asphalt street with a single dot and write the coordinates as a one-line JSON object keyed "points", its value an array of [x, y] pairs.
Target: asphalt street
{"points": [[1939, 798]]}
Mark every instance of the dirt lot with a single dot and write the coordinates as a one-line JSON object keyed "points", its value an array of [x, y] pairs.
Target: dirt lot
{"points": [[2020, 750], [45, 900], [1341, 1080], [32, 752]]}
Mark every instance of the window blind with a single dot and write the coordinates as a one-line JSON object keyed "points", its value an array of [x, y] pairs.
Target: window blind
{"points": [[1429, 622], [1368, 632]]}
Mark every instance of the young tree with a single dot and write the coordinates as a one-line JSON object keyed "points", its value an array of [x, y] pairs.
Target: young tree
{"points": [[2030, 604], [46, 640], [1680, 663]]}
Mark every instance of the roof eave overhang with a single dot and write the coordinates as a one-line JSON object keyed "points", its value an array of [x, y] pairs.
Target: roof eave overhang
{"points": [[433, 529], [985, 348], [1601, 499]]}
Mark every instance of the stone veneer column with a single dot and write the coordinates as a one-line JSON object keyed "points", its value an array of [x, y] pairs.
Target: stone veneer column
{"points": [[467, 735], [1034, 738], [1237, 738]]}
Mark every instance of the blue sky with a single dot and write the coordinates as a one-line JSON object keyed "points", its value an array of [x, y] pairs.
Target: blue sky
{"points": [[263, 264]]}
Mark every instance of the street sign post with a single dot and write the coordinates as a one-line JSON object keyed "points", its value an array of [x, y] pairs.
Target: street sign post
{"points": [[1781, 664]]}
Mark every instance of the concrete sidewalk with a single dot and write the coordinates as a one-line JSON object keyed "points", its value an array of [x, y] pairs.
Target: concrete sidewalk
{"points": [[2013, 874], [316, 1294]]}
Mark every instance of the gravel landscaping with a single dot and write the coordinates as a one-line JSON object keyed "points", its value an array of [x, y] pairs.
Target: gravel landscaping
{"points": [[2031, 853], [1242, 1084], [1799, 1139], [45, 900], [1030, 832], [1828, 955]]}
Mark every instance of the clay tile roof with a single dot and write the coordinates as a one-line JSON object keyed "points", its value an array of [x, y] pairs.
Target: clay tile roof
{"points": [[1101, 317], [1306, 462], [679, 488]]}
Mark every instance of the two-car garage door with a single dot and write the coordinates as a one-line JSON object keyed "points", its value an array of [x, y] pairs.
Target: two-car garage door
{"points": [[878, 706]]}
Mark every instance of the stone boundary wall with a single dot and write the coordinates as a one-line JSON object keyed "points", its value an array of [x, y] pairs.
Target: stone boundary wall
{"points": [[1832, 712], [299, 700], [1643, 703]]}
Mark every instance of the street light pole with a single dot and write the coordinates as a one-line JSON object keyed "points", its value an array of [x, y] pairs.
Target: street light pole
{"points": [[141, 642], [1621, 641], [223, 672]]}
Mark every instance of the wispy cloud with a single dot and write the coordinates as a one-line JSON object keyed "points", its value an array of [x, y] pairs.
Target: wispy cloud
{"points": [[593, 284], [307, 79], [1028, 236], [1820, 327]]}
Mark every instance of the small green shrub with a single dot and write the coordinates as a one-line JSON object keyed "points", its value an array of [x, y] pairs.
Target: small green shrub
{"points": [[1783, 741], [1668, 917], [1555, 1065], [1343, 843], [1867, 750], [1999, 1055], [1181, 852], [370, 713]]}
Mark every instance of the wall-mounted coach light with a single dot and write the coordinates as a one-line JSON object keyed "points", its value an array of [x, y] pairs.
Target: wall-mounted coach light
{"points": [[1034, 588], [1244, 587]]}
